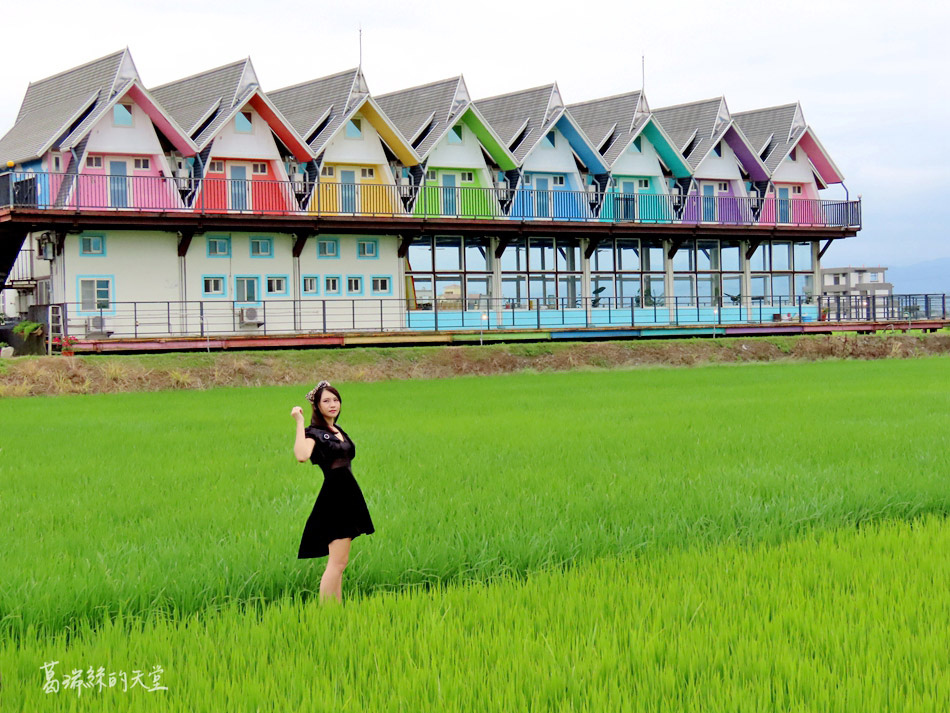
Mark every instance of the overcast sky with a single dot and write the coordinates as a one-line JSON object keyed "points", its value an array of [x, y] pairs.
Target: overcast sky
{"points": [[872, 76]]}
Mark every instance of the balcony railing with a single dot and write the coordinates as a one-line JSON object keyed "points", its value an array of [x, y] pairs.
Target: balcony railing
{"points": [[207, 318], [63, 191]]}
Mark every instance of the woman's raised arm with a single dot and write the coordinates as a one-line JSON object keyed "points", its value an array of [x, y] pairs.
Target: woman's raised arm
{"points": [[303, 446]]}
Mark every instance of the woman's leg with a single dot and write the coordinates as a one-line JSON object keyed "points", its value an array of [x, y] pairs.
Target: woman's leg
{"points": [[331, 584]]}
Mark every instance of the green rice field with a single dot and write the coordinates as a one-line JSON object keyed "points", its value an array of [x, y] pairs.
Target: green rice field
{"points": [[745, 538]]}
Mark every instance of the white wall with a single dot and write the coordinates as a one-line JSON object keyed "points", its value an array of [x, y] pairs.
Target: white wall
{"points": [[468, 154], [798, 171], [720, 168], [119, 141], [559, 159], [644, 163]]}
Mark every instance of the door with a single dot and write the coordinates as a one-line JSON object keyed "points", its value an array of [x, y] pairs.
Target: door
{"points": [[449, 195], [709, 203], [783, 205], [542, 198], [628, 201], [118, 184], [239, 188], [347, 191]]}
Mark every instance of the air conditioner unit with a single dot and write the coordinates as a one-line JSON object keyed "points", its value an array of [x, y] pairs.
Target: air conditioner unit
{"points": [[97, 326], [300, 181], [250, 315], [404, 181], [593, 188]]}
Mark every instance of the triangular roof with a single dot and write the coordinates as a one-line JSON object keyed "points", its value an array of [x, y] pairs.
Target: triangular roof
{"points": [[523, 118], [613, 123], [425, 113], [205, 102], [775, 131], [320, 108], [57, 112]]}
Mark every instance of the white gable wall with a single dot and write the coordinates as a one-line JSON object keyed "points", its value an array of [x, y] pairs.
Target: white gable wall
{"points": [[559, 159], [366, 150], [797, 171], [722, 168], [468, 154], [140, 139], [645, 163]]}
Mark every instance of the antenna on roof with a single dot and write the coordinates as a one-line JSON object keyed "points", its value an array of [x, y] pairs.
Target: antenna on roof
{"points": [[361, 44], [643, 72]]}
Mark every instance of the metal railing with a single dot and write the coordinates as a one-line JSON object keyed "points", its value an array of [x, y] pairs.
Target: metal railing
{"points": [[206, 318], [63, 191]]}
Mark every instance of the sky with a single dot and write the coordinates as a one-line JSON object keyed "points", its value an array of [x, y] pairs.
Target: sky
{"points": [[871, 76]]}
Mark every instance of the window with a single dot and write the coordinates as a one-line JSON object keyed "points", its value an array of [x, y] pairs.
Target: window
{"points": [[216, 167], [635, 147], [310, 284], [259, 168], [722, 186], [219, 246], [122, 115], [354, 129], [527, 179], [455, 135], [142, 164], [329, 247], [643, 184], [367, 249], [368, 173], [94, 293], [873, 277], [331, 285], [381, 286], [548, 140], [276, 284], [57, 163], [92, 245], [354, 285], [557, 180], [836, 279], [796, 190], [245, 289], [468, 176], [327, 171], [431, 176], [242, 122], [213, 286], [262, 247], [717, 149], [93, 161], [791, 155]]}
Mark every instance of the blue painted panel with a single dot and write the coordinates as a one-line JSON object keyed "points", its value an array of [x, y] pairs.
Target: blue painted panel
{"points": [[593, 160]]}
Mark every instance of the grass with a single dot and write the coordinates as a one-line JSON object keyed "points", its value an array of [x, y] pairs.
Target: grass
{"points": [[182, 502], [844, 620]]}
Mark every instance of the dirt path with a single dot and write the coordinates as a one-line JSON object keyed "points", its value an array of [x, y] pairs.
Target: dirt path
{"points": [[30, 376]]}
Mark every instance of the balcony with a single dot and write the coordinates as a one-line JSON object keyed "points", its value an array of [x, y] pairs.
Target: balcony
{"points": [[214, 196]]}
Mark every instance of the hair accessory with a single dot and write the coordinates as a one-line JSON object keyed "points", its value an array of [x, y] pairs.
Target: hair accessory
{"points": [[313, 392]]}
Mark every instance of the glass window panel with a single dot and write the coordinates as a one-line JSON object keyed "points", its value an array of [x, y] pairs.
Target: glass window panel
{"points": [[759, 285], [541, 254], [568, 255], [759, 261], [569, 290], [781, 287], [781, 256], [628, 255], [655, 291], [685, 258], [477, 292], [804, 285], [448, 253], [477, 252], [602, 286], [707, 289], [448, 290], [652, 253], [543, 288], [729, 255], [731, 289], [803, 260], [684, 288], [420, 255], [514, 288], [628, 287], [603, 257], [422, 287], [707, 255], [514, 257]]}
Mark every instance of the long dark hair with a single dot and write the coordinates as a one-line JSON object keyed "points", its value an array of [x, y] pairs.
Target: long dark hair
{"points": [[316, 419]]}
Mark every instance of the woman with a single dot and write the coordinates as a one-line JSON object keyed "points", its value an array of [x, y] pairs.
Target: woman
{"points": [[340, 513]]}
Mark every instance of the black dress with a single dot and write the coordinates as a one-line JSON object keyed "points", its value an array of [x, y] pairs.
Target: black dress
{"points": [[340, 510]]}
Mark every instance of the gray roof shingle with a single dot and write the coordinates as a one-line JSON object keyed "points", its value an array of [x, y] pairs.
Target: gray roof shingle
{"points": [[51, 104], [615, 117], [410, 110], [328, 100], [508, 113], [683, 121], [773, 131]]}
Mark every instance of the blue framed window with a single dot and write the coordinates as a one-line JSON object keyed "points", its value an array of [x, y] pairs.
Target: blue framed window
{"points": [[636, 146], [548, 140], [310, 285], [243, 123], [354, 129], [381, 284], [219, 245], [328, 248], [367, 249], [122, 115], [91, 245], [247, 289], [331, 284], [354, 284], [95, 294], [455, 135], [214, 286], [262, 247], [277, 285], [717, 149]]}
